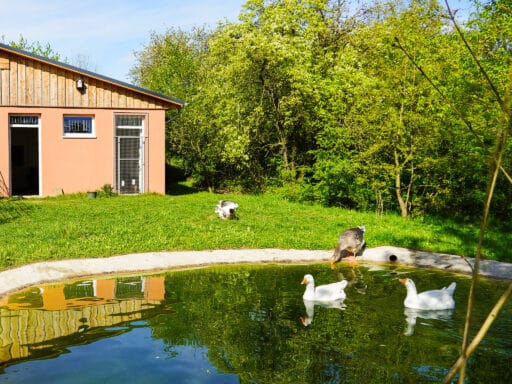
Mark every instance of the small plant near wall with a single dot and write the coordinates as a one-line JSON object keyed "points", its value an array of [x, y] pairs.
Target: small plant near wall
{"points": [[107, 190]]}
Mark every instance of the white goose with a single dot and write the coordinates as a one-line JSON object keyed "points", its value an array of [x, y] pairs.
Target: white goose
{"points": [[323, 293], [226, 209], [437, 299]]}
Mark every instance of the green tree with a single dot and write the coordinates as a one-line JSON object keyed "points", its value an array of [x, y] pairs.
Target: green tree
{"points": [[265, 63], [384, 136], [317, 94], [36, 48]]}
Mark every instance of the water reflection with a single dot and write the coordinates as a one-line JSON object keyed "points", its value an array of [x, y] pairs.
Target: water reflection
{"points": [[232, 324], [309, 305], [411, 316], [40, 318], [355, 278]]}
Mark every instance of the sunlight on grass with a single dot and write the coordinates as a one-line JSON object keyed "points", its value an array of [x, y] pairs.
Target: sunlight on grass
{"points": [[74, 226]]}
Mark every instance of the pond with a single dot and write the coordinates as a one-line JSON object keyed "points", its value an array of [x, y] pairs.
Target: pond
{"points": [[246, 324]]}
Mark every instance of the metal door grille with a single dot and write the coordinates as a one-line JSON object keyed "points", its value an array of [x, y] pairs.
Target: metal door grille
{"points": [[130, 145]]}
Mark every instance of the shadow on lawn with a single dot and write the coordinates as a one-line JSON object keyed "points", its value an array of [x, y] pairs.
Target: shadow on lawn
{"points": [[175, 182], [10, 209], [178, 189]]}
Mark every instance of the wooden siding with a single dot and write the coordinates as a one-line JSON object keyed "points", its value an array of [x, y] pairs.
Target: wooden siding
{"points": [[26, 82]]}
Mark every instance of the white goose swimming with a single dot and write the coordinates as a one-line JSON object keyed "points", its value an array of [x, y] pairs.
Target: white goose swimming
{"points": [[437, 299], [323, 293]]}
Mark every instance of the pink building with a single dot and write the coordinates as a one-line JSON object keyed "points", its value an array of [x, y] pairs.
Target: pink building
{"points": [[67, 130]]}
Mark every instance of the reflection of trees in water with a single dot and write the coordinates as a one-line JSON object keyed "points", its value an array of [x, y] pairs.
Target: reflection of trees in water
{"points": [[249, 319]]}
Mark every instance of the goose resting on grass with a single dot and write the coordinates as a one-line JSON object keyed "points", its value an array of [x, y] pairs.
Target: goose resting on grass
{"points": [[226, 209], [434, 300], [350, 241], [323, 293]]}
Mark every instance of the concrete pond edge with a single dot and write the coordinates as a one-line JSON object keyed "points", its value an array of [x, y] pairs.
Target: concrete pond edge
{"points": [[15, 279]]}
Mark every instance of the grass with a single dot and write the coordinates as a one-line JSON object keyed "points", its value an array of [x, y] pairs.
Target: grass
{"points": [[74, 226]]}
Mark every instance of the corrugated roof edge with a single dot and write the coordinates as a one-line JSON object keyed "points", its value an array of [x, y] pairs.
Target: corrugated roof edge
{"points": [[85, 72]]}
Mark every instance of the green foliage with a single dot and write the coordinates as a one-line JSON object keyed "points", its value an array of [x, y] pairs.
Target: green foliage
{"points": [[107, 190], [10, 209], [36, 48], [318, 96]]}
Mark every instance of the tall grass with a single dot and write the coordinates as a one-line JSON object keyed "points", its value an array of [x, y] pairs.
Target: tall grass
{"points": [[74, 227]]}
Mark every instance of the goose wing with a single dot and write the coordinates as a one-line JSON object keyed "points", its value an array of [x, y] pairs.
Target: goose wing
{"points": [[436, 299], [333, 291]]}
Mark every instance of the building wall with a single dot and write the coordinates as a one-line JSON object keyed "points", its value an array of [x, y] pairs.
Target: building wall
{"points": [[74, 165], [30, 84]]}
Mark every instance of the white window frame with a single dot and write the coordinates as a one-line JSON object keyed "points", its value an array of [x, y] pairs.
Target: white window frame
{"points": [[75, 135], [37, 126], [142, 158]]}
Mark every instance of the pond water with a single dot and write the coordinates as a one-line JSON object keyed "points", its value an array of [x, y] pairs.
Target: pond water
{"points": [[246, 324]]}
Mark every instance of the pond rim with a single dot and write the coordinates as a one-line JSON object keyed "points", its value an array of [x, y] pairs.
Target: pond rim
{"points": [[18, 278]]}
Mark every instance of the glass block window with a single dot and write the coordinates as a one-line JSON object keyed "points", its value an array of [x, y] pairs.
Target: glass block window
{"points": [[79, 126]]}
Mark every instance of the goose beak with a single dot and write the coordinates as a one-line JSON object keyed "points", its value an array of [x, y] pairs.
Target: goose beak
{"points": [[403, 281], [304, 281]]}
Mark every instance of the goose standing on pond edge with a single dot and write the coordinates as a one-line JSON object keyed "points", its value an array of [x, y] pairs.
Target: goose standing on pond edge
{"points": [[350, 241], [437, 299]]}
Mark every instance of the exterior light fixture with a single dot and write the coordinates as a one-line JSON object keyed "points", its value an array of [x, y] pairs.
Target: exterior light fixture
{"points": [[80, 85]]}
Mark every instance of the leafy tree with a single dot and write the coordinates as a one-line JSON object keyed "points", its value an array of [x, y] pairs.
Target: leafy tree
{"points": [[316, 96], [36, 48], [384, 135]]}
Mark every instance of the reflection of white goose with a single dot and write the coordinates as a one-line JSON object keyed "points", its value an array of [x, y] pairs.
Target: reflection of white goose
{"points": [[310, 308], [412, 314], [436, 299], [323, 293]]}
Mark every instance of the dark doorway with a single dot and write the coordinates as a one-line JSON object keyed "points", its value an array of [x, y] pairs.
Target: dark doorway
{"points": [[24, 161]]}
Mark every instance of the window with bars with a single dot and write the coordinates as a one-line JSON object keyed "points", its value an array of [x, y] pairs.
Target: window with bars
{"points": [[23, 120], [79, 126], [129, 121], [130, 153]]}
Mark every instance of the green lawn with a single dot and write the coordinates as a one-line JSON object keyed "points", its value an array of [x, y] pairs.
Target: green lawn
{"points": [[74, 226]]}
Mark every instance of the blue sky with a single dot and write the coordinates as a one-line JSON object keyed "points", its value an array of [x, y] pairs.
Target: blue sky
{"points": [[104, 34]]}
